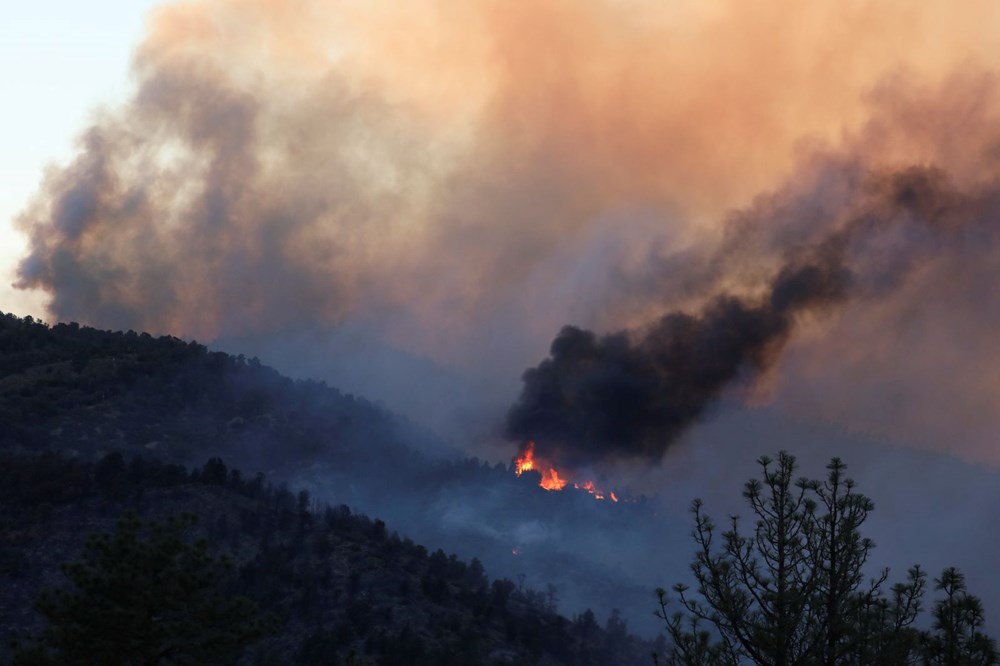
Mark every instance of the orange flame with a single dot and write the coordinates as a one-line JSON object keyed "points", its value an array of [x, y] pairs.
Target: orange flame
{"points": [[551, 479], [527, 461], [590, 488]]}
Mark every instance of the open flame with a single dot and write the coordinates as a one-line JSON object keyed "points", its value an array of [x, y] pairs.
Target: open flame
{"points": [[526, 461]]}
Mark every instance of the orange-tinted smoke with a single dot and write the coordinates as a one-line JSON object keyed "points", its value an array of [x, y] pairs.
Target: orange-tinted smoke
{"points": [[469, 176]]}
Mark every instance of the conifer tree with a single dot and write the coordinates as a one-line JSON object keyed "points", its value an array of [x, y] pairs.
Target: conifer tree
{"points": [[792, 590], [145, 595], [957, 636]]}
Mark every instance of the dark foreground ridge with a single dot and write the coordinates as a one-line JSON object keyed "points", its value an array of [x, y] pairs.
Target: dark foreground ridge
{"points": [[330, 585]]}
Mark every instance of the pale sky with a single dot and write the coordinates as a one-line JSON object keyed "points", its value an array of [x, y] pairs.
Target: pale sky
{"points": [[59, 60]]}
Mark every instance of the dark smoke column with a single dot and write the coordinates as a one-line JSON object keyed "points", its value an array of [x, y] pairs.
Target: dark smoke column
{"points": [[631, 395]]}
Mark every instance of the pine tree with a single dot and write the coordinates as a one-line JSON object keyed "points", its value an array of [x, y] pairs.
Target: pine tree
{"points": [[755, 588], [145, 595], [793, 589], [957, 639]]}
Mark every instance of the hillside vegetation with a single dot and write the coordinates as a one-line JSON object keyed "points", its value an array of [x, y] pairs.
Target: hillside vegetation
{"points": [[85, 391], [98, 422], [336, 585]]}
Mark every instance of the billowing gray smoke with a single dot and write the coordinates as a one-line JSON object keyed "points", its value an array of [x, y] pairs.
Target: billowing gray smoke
{"points": [[596, 394], [380, 194], [631, 394]]}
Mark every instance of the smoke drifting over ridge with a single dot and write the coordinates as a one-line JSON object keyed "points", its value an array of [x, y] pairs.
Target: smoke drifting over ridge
{"points": [[632, 394], [462, 180], [601, 397]]}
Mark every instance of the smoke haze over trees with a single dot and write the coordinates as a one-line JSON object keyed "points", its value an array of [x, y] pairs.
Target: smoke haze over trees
{"points": [[85, 393], [333, 586], [651, 238], [458, 196]]}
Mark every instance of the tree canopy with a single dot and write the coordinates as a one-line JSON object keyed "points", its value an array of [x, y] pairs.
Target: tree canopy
{"points": [[145, 595], [795, 587]]}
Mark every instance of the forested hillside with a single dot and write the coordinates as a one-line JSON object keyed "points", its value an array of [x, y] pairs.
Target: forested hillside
{"points": [[330, 582], [86, 391], [97, 421]]}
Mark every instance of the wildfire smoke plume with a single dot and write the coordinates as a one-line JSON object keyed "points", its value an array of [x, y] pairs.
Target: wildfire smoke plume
{"points": [[441, 176]]}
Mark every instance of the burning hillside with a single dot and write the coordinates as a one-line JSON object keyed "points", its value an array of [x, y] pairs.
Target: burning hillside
{"points": [[551, 478]]}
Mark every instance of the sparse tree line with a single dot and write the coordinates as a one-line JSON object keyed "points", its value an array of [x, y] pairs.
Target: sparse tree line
{"points": [[793, 587]]}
